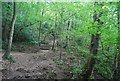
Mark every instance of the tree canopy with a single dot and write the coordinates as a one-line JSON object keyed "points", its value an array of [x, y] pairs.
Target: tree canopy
{"points": [[71, 26]]}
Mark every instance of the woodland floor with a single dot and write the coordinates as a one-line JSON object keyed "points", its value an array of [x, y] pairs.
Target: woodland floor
{"points": [[34, 62]]}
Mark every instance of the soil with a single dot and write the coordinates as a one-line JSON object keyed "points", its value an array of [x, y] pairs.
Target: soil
{"points": [[40, 62], [33, 62]]}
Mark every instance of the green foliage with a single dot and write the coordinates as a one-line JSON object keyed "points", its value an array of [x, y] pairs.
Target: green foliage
{"points": [[30, 43], [4, 44], [44, 42], [104, 69], [14, 47], [76, 70], [72, 24], [11, 59], [24, 35]]}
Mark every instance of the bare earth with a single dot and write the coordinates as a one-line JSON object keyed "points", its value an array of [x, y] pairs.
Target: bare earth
{"points": [[33, 65]]}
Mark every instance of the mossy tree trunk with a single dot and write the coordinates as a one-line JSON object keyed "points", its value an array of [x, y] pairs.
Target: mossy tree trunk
{"points": [[7, 53], [39, 37], [6, 26], [88, 68]]}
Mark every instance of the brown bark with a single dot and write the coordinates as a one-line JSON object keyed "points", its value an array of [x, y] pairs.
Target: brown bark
{"points": [[91, 61], [39, 39], [6, 27], [93, 50], [54, 33], [67, 37], [7, 53], [53, 46]]}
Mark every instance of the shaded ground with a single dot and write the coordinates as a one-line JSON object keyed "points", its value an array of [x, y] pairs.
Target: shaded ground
{"points": [[37, 62], [33, 62], [34, 65]]}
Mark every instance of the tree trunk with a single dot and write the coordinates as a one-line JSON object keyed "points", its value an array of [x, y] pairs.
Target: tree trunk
{"points": [[53, 46], [93, 50], [91, 61], [67, 37], [7, 53], [39, 38], [54, 33], [6, 27]]}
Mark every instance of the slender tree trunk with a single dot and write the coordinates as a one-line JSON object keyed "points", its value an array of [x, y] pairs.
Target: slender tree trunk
{"points": [[54, 33], [116, 75], [39, 38], [53, 46], [7, 53], [44, 38], [93, 50], [67, 37], [60, 52]]}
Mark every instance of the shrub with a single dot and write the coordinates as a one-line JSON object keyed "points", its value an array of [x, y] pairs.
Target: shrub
{"points": [[24, 35], [4, 45]]}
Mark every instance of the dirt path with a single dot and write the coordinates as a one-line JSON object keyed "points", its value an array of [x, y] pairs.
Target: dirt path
{"points": [[33, 65]]}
